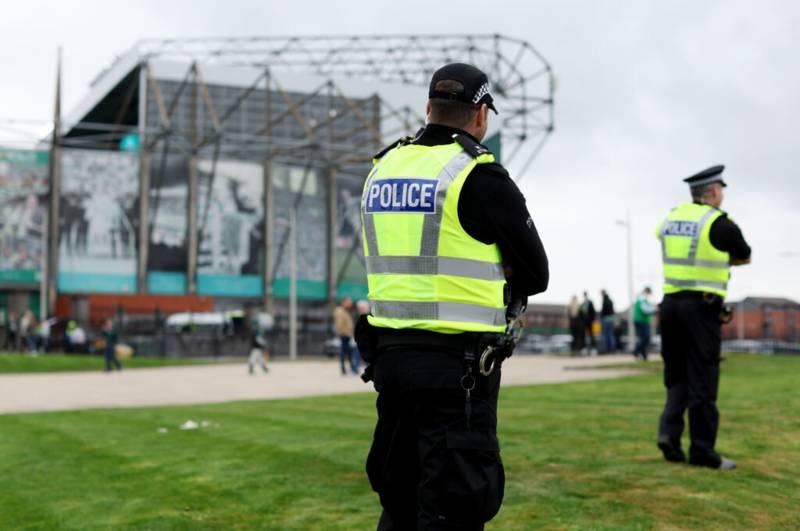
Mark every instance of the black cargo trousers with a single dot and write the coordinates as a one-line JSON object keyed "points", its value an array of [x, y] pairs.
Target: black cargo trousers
{"points": [[690, 345], [430, 470]]}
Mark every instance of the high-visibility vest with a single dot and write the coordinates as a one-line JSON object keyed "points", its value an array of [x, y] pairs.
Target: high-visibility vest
{"points": [[691, 263], [423, 270]]}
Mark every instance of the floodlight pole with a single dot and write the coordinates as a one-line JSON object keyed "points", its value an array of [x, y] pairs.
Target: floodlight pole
{"points": [[292, 283], [629, 248], [54, 198], [631, 332]]}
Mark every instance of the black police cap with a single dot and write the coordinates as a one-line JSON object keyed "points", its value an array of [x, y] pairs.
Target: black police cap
{"points": [[707, 176], [475, 82]]}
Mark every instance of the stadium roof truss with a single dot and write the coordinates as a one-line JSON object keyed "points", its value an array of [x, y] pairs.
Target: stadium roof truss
{"points": [[522, 82]]}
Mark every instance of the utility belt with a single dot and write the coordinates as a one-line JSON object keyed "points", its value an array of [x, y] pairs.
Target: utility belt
{"points": [[705, 296], [455, 344], [468, 346], [483, 352], [712, 299]]}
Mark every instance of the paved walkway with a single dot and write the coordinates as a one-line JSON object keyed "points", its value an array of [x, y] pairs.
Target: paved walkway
{"points": [[204, 384]]}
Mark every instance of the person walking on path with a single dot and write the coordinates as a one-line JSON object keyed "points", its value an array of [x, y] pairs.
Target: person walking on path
{"points": [[259, 348], [699, 245], [12, 332], [588, 316], [27, 331], [642, 317], [344, 327], [607, 320], [576, 328], [111, 337]]}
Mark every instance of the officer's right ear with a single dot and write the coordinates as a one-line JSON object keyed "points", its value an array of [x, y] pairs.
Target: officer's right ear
{"points": [[428, 109]]}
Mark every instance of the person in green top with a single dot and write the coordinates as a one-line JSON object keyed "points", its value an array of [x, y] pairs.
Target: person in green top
{"points": [[111, 337], [643, 312]]}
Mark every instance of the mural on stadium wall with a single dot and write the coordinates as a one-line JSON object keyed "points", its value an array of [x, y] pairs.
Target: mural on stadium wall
{"points": [[349, 250], [98, 221], [231, 222], [23, 196], [311, 223], [167, 258]]}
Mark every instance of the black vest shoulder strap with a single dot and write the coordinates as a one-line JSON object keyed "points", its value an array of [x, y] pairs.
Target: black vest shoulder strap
{"points": [[397, 143], [473, 148]]}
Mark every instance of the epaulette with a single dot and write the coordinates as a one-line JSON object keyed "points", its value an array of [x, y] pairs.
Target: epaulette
{"points": [[474, 149], [399, 142]]}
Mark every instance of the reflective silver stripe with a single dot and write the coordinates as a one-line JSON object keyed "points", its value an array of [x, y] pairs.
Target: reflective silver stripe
{"points": [[433, 265], [700, 226], [429, 245], [696, 283], [367, 220], [715, 264], [439, 311], [370, 234]]}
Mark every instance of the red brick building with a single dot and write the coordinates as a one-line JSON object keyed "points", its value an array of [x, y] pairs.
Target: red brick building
{"points": [[773, 318], [547, 319]]}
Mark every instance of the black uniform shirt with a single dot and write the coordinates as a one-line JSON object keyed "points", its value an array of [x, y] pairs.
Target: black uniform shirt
{"points": [[726, 236], [492, 210]]}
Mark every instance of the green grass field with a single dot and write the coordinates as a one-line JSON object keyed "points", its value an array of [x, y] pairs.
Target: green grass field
{"points": [[19, 363], [578, 456]]}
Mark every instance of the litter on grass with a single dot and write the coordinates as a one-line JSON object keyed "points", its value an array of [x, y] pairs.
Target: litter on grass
{"points": [[193, 425]]}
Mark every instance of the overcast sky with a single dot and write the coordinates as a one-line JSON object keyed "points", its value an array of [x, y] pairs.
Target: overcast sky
{"points": [[647, 93]]}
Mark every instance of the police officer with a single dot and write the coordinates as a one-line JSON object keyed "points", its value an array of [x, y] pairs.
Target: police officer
{"points": [[448, 242], [699, 244]]}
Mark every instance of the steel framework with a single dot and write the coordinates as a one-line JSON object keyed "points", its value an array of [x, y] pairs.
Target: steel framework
{"points": [[521, 77]]}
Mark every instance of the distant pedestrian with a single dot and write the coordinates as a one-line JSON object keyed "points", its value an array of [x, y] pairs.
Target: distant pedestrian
{"points": [[12, 332], [259, 348], [75, 338], [27, 331], [588, 315], [607, 320], [43, 334], [576, 328], [343, 324], [111, 337], [643, 312]]}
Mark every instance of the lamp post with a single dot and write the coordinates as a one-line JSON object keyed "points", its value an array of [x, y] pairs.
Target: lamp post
{"points": [[629, 246], [291, 227]]}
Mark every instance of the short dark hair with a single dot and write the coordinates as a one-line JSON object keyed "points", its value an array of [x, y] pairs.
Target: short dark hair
{"points": [[451, 112], [699, 191]]}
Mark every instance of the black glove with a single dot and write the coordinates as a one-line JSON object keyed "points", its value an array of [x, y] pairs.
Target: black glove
{"points": [[366, 339]]}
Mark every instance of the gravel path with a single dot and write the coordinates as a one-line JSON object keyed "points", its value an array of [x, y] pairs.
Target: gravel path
{"points": [[204, 384]]}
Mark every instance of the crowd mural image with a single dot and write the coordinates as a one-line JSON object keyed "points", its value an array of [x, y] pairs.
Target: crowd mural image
{"points": [[168, 196], [231, 225], [23, 188], [99, 220]]}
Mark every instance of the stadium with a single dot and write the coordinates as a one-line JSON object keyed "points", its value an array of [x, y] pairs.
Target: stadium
{"points": [[224, 175]]}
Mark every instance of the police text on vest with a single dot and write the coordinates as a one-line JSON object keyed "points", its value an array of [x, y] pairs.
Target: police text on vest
{"points": [[680, 228], [404, 194]]}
